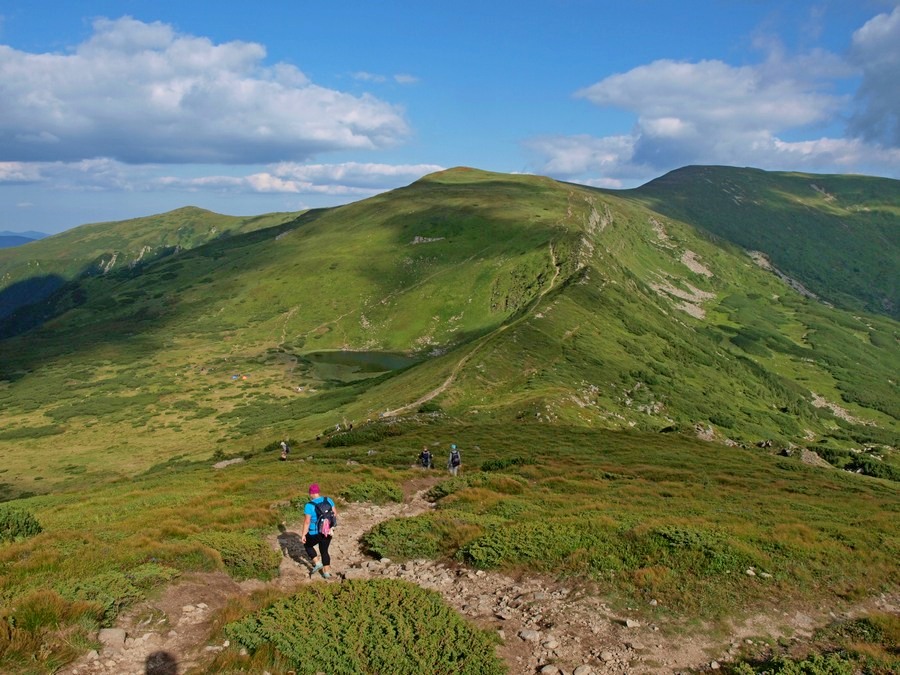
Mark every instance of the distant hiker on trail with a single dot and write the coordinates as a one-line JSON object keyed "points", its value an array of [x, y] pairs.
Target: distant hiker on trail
{"points": [[285, 449], [320, 518], [425, 458], [454, 461]]}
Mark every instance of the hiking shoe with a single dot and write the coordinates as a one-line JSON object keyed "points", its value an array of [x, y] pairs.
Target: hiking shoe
{"points": [[326, 575], [317, 568]]}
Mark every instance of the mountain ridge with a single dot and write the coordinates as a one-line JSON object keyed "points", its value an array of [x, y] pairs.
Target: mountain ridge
{"points": [[523, 298]]}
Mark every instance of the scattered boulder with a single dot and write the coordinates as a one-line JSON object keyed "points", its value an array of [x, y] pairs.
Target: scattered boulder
{"points": [[530, 635], [112, 638]]}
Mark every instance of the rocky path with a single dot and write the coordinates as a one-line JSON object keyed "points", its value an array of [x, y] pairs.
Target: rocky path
{"points": [[545, 626]]}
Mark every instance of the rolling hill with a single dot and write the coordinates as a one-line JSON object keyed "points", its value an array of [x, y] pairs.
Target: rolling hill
{"points": [[837, 237], [27, 276]]}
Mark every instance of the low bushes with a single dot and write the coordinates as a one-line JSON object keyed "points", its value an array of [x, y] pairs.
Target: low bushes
{"points": [[17, 523], [244, 554], [372, 490], [113, 590], [380, 626]]}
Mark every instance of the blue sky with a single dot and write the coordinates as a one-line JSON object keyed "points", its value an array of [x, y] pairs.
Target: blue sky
{"points": [[112, 110]]}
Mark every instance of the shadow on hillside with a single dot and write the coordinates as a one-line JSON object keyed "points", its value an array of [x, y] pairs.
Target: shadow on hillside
{"points": [[27, 292], [129, 310]]}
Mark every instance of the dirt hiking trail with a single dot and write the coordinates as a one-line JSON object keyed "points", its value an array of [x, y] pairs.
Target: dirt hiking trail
{"points": [[545, 626]]}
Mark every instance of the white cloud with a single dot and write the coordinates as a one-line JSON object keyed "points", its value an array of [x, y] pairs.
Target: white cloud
{"points": [[19, 172], [142, 93], [876, 52], [369, 77], [95, 175], [351, 178], [710, 112], [570, 156], [399, 78]]}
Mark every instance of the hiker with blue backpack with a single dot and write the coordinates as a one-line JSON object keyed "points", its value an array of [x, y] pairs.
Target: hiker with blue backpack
{"points": [[320, 518], [454, 461]]}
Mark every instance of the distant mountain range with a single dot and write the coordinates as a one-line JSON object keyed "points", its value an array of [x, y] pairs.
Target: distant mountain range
{"points": [[9, 239]]}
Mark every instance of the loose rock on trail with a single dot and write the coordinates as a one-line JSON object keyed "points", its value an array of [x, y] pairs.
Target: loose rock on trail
{"points": [[545, 626]]}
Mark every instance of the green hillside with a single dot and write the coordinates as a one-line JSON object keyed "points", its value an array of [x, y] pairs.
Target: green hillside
{"points": [[31, 273], [839, 236], [648, 393], [526, 300]]}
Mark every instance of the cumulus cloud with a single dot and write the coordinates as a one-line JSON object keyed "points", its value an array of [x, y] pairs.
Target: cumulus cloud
{"points": [[876, 52], [96, 175], [711, 112], [141, 93], [347, 179]]}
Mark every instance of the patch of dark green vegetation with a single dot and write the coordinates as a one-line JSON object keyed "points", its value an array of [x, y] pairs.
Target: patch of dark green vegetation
{"points": [[246, 555], [381, 626], [17, 523], [372, 490]]}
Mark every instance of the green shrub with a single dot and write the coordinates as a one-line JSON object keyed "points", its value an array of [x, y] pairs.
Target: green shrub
{"points": [[872, 467], [16, 523], [370, 433], [400, 538], [371, 490], [114, 590], [31, 432], [500, 464], [817, 664], [380, 626], [451, 485], [245, 554]]}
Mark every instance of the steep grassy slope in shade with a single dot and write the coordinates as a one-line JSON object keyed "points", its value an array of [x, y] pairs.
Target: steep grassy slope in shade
{"points": [[30, 274], [837, 235], [518, 299]]}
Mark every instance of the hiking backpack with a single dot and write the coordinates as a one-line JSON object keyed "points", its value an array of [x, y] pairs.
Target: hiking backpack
{"points": [[325, 517], [454, 458]]}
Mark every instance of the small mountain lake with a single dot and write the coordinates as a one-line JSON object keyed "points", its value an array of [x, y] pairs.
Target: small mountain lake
{"points": [[347, 366]]}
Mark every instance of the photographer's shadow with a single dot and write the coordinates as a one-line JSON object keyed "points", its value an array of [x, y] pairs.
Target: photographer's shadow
{"points": [[292, 547]]}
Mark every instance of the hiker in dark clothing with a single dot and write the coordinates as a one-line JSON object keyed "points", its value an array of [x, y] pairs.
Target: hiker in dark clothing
{"points": [[425, 458]]}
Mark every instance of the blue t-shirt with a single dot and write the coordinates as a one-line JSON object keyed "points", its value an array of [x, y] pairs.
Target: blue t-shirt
{"points": [[310, 511]]}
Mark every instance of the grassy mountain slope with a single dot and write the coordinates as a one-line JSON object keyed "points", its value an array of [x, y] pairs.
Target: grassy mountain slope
{"points": [[30, 274], [557, 329], [517, 298], [839, 236]]}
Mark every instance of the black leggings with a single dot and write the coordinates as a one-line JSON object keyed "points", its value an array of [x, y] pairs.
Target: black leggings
{"points": [[322, 542]]}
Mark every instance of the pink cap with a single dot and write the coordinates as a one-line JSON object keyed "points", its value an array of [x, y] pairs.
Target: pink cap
{"points": [[314, 489]]}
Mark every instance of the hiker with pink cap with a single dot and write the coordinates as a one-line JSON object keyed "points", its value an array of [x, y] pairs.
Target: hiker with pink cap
{"points": [[320, 519]]}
